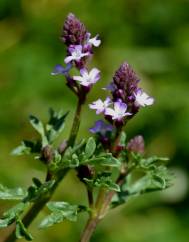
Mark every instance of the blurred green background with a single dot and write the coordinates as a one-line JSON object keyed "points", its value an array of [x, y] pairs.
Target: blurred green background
{"points": [[153, 36]]}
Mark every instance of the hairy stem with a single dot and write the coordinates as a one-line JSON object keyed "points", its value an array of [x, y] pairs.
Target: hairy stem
{"points": [[39, 204], [89, 229]]}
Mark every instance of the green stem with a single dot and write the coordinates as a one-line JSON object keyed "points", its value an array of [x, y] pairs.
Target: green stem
{"points": [[38, 205], [76, 124]]}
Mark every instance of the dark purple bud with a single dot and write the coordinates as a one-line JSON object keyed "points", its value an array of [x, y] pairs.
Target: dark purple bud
{"points": [[74, 32], [47, 154], [85, 172], [136, 145]]}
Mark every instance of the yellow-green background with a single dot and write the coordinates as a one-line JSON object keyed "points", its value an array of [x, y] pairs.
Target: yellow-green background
{"points": [[153, 36]]}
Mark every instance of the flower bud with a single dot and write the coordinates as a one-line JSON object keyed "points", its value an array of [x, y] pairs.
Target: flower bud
{"points": [[47, 154], [74, 32], [136, 145], [125, 83]]}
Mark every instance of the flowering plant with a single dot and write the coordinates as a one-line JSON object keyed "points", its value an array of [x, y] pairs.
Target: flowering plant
{"points": [[112, 168]]}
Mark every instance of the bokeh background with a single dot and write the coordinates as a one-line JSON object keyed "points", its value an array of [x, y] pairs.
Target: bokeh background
{"points": [[153, 36]]}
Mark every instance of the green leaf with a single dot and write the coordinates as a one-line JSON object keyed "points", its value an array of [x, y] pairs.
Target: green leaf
{"points": [[21, 150], [73, 162], [154, 180], [37, 182], [145, 163], [37, 191], [4, 223], [27, 147], [105, 160], [51, 219], [60, 212], [12, 214], [90, 147], [55, 124], [38, 126], [21, 231], [103, 182], [15, 211], [12, 194]]}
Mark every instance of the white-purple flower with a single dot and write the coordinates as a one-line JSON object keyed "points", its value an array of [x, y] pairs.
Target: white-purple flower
{"points": [[75, 53], [142, 99], [119, 111], [95, 41], [100, 106], [88, 78]]}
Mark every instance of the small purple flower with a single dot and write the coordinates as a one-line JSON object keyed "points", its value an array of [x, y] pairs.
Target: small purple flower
{"points": [[75, 53], [142, 99], [88, 78], [136, 144], [119, 111], [101, 127], [100, 106], [59, 69]]}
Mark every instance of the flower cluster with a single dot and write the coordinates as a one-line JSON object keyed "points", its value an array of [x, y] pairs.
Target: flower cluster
{"points": [[79, 50], [126, 98]]}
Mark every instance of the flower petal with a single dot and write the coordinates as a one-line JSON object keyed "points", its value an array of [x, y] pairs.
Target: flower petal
{"points": [[78, 78], [95, 41], [94, 73], [120, 107], [68, 59], [110, 111]]}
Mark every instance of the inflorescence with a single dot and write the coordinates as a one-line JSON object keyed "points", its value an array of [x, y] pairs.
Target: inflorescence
{"points": [[125, 96]]}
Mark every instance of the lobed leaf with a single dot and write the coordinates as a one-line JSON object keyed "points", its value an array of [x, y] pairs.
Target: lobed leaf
{"points": [[38, 126], [55, 124], [12, 194], [60, 212]]}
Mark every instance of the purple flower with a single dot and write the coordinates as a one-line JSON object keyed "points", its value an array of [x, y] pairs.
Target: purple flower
{"points": [[59, 69], [88, 78], [101, 127], [119, 111], [75, 53], [142, 99], [136, 144], [100, 106], [74, 32]]}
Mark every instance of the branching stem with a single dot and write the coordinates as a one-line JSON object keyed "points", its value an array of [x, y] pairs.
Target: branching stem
{"points": [[39, 204]]}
